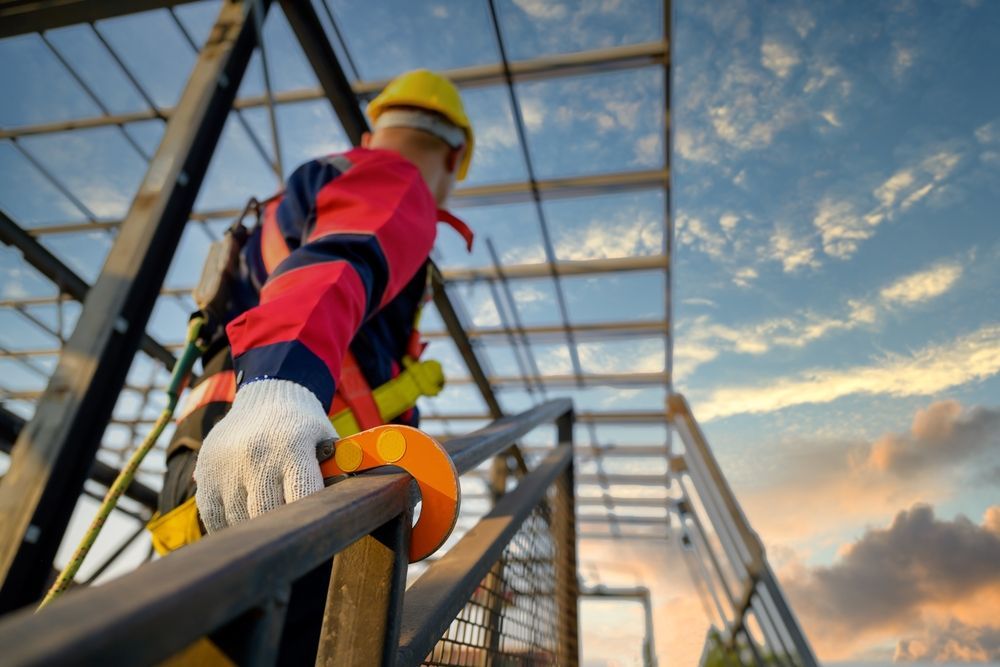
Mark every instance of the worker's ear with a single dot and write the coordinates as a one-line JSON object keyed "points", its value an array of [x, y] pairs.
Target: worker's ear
{"points": [[366, 139], [453, 159]]}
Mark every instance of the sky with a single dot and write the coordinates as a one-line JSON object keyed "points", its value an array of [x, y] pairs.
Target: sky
{"points": [[835, 267]]}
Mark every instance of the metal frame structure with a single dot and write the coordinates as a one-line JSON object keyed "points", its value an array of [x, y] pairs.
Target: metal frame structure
{"points": [[215, 587], [638, 594], [54, 454]]}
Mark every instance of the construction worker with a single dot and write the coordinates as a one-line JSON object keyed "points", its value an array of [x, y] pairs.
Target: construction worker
{"points": [[320, 309], [314, 316]]}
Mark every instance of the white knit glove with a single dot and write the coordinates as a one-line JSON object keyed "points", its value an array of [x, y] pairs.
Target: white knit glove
{"points": [[261, 454]]}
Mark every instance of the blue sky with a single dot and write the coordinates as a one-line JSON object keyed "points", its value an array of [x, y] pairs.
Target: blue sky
{"points": [[835, 200]]}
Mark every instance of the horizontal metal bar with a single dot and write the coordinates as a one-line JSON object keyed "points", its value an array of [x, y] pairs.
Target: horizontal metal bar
{"points": [[594, 61], [206, 584], [435, 599], [534, 69], [469, 451], [625, 537], [482, 195], [560, 188], [617, 451], [188, 590], [22, 16], [624, 417], [606, 478], [606, 592], [591, 331], [629, 520], [11, 425], [618, 501], [66, 279], [574, 381], [563, 268]]}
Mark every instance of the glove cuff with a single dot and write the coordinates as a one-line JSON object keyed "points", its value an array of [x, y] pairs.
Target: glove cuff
{"points": [[278, 395]]}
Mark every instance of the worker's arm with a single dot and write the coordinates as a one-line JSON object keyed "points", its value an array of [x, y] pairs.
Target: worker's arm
{"points": [[367, 229]]}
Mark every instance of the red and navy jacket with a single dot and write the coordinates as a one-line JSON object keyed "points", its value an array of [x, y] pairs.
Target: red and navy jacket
{"points": [[339, 260]]}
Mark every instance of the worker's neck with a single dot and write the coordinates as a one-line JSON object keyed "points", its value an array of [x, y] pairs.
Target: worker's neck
{"points": [[430, 165]]}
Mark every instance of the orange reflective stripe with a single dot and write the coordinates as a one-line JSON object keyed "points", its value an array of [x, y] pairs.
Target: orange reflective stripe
{"points": [[273, 248], [216, 388], [353, 389], [415, 346]]}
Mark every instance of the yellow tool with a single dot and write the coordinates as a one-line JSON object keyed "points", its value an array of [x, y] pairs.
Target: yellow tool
{"points": [[419, 378]]}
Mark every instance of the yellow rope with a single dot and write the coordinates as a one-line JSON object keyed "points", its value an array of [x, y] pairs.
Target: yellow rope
{"points": [[178, 379]]}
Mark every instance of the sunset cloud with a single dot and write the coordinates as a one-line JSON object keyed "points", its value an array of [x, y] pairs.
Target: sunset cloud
{"points": [[935, 368], [702, 339], [897, 580], [942, 433]]}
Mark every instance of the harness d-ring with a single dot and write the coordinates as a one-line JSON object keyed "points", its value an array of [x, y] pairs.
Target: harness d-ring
{"points": [[418, 454]]}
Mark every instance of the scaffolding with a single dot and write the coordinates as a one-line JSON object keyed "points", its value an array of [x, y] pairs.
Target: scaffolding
{"points": [[99, 370]]}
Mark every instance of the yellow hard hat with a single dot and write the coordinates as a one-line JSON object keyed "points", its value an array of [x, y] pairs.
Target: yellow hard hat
{"points": [[424, 89]]}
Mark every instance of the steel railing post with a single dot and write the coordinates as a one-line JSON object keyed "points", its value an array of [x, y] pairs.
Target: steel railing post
{"points": [[365, 599], [564, 535]]}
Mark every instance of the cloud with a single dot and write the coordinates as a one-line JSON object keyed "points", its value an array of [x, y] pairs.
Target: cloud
{"points": [[694, 232], [743, 277], [728, 222], [902, 60], [940, 435], [935, 368], [533, 112], [632, 231], [542, 9], [843, 228], [806, 326], [988, 133], [830, 116], [779, 58], [840, 228], [643, 356], [955, 642], [893, 580], [923, 285], [794, 252]]}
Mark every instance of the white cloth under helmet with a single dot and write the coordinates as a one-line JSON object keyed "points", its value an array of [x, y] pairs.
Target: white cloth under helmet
{"points": [[421, 120]]}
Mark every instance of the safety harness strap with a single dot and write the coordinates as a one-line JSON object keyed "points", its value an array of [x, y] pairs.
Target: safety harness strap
{"points": [[357, 395]]}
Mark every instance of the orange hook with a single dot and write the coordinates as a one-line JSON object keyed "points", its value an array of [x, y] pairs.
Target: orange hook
{"points": [[418, 454]]}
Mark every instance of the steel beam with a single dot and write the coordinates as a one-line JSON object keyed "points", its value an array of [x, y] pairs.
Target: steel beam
{"points": [[480, 195], [496, 194], [21, 16], [586, 267], [621, 417], [573, 381], [68, 282], [55, 451], [457, 331], [592, 331], [211, 583], [102, 473], [587, 62], [641, 594], [336, 87]]}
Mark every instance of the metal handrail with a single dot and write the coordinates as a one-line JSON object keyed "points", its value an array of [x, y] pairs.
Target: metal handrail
{"points": [[743, 548], [158, 610]]}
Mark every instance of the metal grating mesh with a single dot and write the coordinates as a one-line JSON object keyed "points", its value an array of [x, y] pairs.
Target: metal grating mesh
{"points": [[513, 617]]}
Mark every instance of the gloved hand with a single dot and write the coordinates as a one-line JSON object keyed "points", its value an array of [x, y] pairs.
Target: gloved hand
{"points": [[261, 454]]}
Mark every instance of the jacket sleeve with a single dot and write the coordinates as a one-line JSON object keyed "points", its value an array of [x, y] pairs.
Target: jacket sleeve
{"points": [[368, 223]]}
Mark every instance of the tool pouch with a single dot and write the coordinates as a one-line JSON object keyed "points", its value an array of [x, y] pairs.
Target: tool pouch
{"points": [[221, 267]]}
